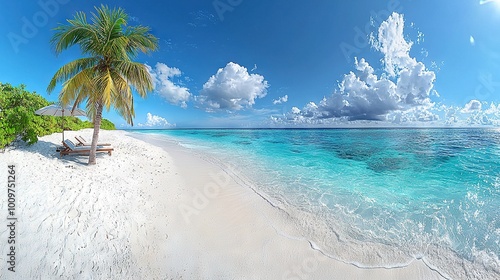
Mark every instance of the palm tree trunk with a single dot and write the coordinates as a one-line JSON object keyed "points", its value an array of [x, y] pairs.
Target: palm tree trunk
{"points": [[95, 136]]}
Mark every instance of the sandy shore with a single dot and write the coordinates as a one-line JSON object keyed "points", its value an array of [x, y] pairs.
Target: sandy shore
{"points": [[154, 213]]}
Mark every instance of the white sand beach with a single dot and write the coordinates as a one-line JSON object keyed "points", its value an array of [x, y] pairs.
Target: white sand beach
{"points": [[152, 213]]}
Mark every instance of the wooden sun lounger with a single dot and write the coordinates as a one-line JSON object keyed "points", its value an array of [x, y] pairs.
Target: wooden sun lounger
{"points": [[70, 148], [83, 142]]}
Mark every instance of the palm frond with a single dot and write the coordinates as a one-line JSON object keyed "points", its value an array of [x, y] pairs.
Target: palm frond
{"points": [[137, 76], [73, 87], [79, 31], [91, 108], [123, 99], [70, 69], [140, 40], [106, 88], [115, 48]]}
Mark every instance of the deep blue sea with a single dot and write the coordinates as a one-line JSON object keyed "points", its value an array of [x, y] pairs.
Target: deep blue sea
{"points": [[425, 193]]}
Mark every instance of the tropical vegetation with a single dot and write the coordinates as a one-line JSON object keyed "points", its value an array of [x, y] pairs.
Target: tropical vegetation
{"points": [[18, 119], [105, 77]]}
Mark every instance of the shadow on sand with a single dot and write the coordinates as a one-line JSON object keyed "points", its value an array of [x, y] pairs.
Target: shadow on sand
{"points": [[50, 150]]}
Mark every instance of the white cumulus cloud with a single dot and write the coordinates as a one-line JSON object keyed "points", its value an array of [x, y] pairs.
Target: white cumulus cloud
{"points": [[393, 45], [164, 86], [280, 100], [156, 122], [472, 106], [493, 110], [232, 88]]}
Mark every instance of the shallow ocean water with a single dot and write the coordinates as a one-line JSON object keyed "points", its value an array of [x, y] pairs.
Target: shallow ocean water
{"points": [[424, 193]]}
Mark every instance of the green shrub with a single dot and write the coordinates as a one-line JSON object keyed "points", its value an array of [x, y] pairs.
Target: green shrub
{"points": [[17, 115], [107, 125], [18, 119]]}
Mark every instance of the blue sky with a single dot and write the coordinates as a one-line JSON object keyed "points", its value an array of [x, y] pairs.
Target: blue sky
{"points": [[241, 63]]}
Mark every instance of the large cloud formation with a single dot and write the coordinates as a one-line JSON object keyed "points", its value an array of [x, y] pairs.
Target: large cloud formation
{"points": [[404, 88], [164, 86], [232, 88]]}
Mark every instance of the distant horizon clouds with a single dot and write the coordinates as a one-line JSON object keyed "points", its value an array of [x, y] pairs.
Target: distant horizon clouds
{"points": [[154, 121]]}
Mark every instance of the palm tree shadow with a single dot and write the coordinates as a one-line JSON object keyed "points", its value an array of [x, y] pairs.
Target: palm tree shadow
{"points": [[51, 151]]}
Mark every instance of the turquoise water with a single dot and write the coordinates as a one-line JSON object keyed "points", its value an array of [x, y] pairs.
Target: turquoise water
{"points": [[429, 193]]}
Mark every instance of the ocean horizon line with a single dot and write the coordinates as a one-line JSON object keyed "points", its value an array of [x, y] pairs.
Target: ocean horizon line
{"points": [[314, 128]]}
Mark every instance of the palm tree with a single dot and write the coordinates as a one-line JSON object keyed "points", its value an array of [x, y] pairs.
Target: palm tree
{"points": [[106, 77]]}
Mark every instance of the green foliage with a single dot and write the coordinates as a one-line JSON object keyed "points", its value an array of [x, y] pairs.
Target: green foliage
{"points": [[18, 119], [107, 125], [17, 115]]}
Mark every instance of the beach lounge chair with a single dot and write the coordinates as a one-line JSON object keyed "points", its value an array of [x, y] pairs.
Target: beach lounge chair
{"points": [[70, 148], [83, 142]]}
